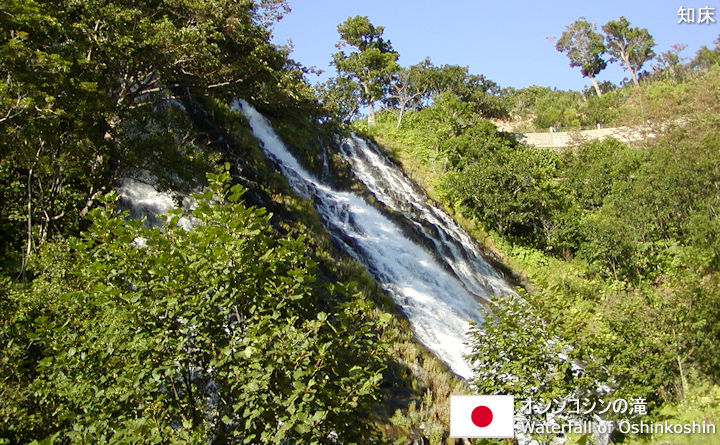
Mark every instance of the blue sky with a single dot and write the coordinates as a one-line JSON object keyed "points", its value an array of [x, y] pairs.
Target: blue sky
{"points": [[506, 40]]}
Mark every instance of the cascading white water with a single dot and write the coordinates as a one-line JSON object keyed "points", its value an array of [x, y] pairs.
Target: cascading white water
{"points": [[394, 189], [439, 301], [143, 201]]}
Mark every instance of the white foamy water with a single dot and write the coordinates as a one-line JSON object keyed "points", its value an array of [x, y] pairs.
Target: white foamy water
{"points": [[456, 248], [144, 202], [439, 296]]}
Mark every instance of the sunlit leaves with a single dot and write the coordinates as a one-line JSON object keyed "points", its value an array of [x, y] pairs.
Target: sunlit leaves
{"points": [[211, 333], [370, 61]]}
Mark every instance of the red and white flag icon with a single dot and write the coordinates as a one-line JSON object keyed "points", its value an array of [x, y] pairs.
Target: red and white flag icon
{"points": [[482, 416]]}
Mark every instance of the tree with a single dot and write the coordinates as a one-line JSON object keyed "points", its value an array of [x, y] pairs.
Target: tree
{"points": [[340, 95], [87, 91], [409, 85], [631, 46], [515, 352], [370, 63], [510, 189], [476, 89], [706, 57], [670, 64], [584, 47]]}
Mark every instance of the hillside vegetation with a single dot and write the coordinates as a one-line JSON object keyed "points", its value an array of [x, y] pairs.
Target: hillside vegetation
{"points": [[618, 243], [252, 327]]}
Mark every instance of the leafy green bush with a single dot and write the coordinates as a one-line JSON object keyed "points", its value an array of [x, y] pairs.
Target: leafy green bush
{"points": [[619, 242], [559, 109], [509, 189], [166, 335], [515, 352]]}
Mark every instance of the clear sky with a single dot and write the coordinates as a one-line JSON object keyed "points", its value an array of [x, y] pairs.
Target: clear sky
{"points": [[506, 40]]}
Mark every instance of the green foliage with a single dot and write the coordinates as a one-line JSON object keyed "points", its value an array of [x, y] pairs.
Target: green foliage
{"points": [[701, 405], [545, 107], [370, 63], [475, 89], [515, 352], [706, 57], [584, 47], [410, 86], [163, 335], [605, 109], [370, 73], [560, 109], [619, 243], [446, 131], [669, 65], [89, 93], [341, 95], [640, 204], [631, 46], [512, 190]]}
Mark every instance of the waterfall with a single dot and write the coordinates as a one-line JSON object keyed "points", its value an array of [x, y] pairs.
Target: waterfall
{"points": [[394, 189], [144, 201], [440, 293]]}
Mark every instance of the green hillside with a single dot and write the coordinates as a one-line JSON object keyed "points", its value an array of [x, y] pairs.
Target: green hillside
{"points": [[617, 244], [254, 326], [106, 342]]}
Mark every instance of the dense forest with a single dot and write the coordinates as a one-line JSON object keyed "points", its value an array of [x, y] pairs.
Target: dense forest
{"points": [[252, 326]]}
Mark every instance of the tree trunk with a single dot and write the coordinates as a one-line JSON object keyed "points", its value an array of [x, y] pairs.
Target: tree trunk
{"points": [[594, 83], [371, 108], [90, 200], [683, 379], [191, 397], [633, 74], [28, 248], [680, 362], [634, 77], [400, 116]]}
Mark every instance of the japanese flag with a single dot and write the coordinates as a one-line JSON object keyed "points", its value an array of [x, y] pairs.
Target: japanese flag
{"points": [[482, 416]]}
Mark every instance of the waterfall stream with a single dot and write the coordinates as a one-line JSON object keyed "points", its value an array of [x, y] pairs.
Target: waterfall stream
{"points": [[452, 244], [441, 292]]}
